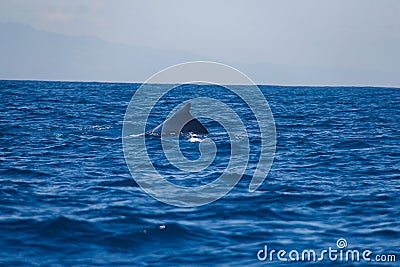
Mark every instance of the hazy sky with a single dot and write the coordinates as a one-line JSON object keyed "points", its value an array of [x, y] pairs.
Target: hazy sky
{"points": [[353, 42]]}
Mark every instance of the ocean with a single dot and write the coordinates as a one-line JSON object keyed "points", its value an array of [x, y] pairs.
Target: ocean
{"points": [[68, 198]]}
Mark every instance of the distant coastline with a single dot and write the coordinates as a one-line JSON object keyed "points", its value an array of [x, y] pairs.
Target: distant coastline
{"points": [[264, 85]]}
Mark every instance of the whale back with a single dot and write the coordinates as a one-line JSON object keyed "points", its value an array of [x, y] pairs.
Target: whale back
{"points": [[181, 122]]}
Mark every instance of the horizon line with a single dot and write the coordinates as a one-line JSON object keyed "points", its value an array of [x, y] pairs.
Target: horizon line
{"points": [[166, 83]]}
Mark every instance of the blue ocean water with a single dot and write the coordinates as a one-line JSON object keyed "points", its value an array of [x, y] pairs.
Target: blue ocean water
{"points": [[67, 197]]}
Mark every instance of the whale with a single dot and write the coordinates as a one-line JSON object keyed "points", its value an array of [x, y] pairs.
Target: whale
{"points": [[180, 122]]}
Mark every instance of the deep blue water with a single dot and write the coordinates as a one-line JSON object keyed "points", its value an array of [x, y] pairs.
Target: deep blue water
{"points": [[67, 197]]}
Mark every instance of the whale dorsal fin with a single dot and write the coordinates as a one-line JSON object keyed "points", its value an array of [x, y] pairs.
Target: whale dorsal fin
{"points": [[181, 121]]}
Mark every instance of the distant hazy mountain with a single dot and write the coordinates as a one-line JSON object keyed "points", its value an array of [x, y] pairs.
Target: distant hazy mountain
{"points": [[26, 53]]}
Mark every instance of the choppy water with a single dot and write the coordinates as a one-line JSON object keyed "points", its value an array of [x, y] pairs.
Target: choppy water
{"points": [[67, 197]]}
